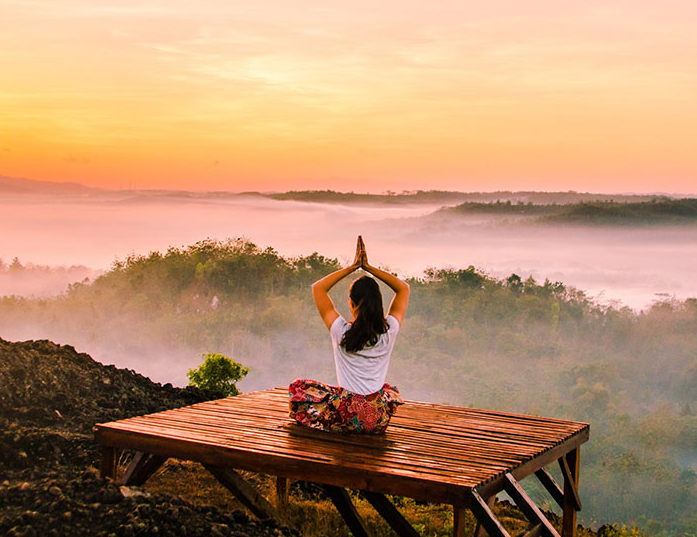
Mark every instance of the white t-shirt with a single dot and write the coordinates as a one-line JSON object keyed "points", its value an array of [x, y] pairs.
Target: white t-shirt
{"points": [[363, 372]]}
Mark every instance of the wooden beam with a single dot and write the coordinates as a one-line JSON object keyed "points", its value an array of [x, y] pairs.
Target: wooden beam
{"points": [[528, 507], [107, 467], [245, 492], [485, 516], [141, 468], [281, 493], [389, 512], [342, 501], [479, 531], [459, 517], [571, 462], [551, 485], [571, 478]]}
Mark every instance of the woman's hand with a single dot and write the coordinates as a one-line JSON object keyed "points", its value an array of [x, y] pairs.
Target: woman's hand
{"points": [[398, 306], [358, 259], [363, 254], [320, 289]]}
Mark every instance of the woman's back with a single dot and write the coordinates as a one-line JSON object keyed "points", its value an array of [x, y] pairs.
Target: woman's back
{"points": [[363, 371]]}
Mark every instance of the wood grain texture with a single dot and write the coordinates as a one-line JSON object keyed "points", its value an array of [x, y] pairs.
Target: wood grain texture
{"points": [[432, 452]]}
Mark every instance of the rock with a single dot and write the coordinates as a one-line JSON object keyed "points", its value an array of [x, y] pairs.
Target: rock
{"points": [[131, 492]]}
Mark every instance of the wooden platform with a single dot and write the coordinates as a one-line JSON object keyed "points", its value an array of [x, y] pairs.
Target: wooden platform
{"points": [[439, 453]]}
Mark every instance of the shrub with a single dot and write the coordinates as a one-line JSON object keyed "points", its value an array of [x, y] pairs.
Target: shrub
{"points": [[218, 373]]}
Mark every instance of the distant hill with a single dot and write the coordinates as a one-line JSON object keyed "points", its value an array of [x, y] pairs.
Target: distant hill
{"points": [[655, 211], [450, 197], [659, 211], [20, 185]]}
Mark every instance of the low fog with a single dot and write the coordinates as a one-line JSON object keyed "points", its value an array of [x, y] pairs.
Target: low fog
{"points": [[619, 265]]}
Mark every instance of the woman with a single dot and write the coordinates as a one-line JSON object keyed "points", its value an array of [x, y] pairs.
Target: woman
{"points": [[362, 402]]}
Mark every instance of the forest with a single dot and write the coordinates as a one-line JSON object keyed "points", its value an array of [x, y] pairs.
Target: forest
{"points": [[659, 211], [469, 339]]}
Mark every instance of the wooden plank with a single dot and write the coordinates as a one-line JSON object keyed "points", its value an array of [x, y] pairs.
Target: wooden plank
{"points": [[389, 512], [551, 485], [342, 501], [479, 530], [571, 501], [107, 467], [141, 468], [246, 493], [485, 516], [528, 507]]}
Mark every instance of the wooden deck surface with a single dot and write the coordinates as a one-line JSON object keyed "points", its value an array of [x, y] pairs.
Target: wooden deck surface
{"points": [[432, 452]]}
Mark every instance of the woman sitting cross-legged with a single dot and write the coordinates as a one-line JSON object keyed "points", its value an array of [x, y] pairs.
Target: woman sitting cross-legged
{"points": [[363, 402]]}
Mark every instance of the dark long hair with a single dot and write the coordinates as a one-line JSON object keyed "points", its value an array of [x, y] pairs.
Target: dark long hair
{"points": [[370, 320]]}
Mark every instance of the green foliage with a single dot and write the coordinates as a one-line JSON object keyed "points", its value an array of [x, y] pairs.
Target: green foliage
{"points": [[218, 373], [604, 211]]}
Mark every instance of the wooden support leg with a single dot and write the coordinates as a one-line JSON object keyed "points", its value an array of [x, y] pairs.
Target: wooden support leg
{"points": [[342, 501], [281, 493], [246, 493], [141, 468], [528, 507], [485, 516], [389, 512], [459, 521], [570, 467], [107, 467], [479, 531], [551, 485]]}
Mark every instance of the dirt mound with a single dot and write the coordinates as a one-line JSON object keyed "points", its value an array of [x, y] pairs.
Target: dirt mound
{"points": [[47, 385], [50, 398], [87, 505]]}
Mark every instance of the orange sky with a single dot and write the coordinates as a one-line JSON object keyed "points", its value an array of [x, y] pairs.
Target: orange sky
{"points": [[365, 96]]}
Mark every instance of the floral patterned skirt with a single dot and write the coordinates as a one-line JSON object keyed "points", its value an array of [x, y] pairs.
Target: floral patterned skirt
{"points": [[332, 408]]}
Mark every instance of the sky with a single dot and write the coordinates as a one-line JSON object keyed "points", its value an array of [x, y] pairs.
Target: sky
{"points": [[364, 96]]}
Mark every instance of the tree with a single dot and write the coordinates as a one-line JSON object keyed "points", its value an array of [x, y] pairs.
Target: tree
{"points": [[218, 373]]}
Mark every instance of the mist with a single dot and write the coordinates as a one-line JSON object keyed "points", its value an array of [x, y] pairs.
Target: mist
{"points": [[630, 266]]}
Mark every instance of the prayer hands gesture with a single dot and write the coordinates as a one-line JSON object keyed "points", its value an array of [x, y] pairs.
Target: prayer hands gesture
{"points": [[325, 306], [361, 259]]}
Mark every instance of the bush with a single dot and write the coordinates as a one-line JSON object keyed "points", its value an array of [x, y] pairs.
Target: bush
{"points": [[218, 373]]}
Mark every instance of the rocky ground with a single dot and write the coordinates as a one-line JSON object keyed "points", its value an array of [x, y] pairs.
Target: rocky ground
{"points": [[50, 398]]}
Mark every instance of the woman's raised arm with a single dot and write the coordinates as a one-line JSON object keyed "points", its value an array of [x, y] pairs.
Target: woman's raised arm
{"points": [[320, 289], [400, 301]]}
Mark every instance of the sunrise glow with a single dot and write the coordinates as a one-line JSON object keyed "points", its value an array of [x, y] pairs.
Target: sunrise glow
{"points": [[359, 96]]}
